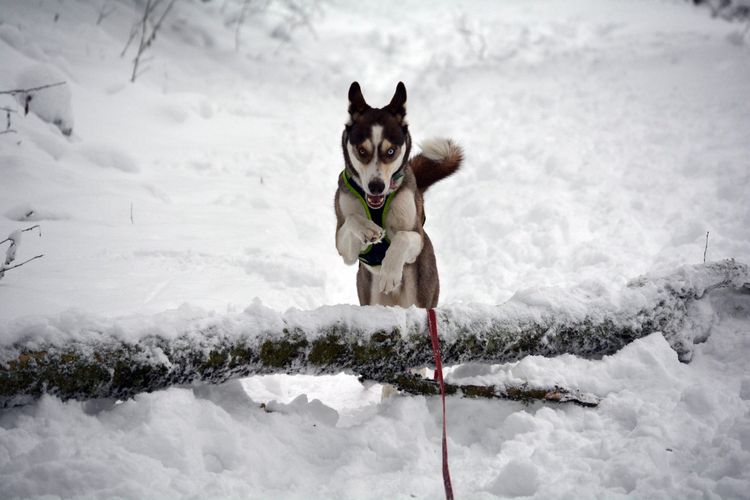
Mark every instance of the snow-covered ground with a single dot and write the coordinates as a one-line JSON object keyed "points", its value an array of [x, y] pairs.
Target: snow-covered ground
{"points": [[603, 139]]}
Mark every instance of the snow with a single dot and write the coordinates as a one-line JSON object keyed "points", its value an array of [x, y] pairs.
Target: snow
{"points": [[51, 104], [603, 140]]}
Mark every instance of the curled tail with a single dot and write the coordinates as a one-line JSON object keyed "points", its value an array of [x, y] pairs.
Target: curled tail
{"points": [[439, 159]]}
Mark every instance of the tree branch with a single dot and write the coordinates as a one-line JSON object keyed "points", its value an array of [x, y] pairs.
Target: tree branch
{"points": [[3, 268], [141, 47], [157, 25], [35, 226], [146, 37], [33, 89], [414, 384]]}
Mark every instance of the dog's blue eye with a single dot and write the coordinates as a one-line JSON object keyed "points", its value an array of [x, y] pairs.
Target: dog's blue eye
{"points": [[391, 152], [362, 151]]}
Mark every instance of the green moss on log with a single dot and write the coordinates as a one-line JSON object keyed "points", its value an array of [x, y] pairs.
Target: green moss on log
{"points": [[479, 391], [216, 359], [527, 394], [282, 353], [242, 354], [414, 384], [328, 350]]}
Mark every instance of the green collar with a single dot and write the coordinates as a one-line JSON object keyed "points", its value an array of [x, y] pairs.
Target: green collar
{"points": [[378, 216]]}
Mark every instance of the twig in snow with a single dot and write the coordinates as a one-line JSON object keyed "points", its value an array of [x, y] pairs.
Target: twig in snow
{"points": [[23, 231], [27, 101], [4, 268], [33, 89], [131, 213], [8, 124], [10, 253], [705, 249]]}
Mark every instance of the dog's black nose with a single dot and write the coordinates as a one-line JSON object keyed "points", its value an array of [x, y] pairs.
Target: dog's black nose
{"points": [[376, 186]]}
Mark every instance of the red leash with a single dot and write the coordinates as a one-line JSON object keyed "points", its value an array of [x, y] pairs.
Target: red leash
{"points": [[432, 322]]}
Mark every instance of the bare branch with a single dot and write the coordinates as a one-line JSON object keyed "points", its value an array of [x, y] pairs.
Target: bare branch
{"points": [[25, 230], [33, 89], [144, 22], [131, 37], [158, 23], [147, 37], [3, 268]]}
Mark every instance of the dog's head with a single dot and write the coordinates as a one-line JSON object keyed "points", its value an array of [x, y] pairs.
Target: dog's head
{"points": [[376, 144]]}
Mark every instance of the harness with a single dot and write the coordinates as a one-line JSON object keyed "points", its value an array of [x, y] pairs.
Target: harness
{"points": [[372, 255]]}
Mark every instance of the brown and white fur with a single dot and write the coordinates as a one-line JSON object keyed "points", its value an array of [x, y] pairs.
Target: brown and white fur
{"points": [[376, 144]]}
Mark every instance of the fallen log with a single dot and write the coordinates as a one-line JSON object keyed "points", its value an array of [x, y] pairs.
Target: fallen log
{"points": [[80, 357]]}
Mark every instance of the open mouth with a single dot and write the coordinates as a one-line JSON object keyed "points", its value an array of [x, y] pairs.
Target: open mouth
{"points": [[375, 201]]}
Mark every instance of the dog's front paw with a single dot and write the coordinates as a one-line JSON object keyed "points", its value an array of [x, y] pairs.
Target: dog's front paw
{"points": [[369, 233], [389, 280]]}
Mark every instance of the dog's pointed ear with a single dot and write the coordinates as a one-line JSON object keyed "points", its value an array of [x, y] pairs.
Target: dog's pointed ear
{"points": [[357, 104], [397, 105]]}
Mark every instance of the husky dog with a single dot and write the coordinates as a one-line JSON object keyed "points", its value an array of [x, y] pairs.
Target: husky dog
{"points": [[379, 204]]}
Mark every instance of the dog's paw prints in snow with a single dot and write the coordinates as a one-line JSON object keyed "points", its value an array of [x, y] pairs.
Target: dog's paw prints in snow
{"points": [[519, 478]]}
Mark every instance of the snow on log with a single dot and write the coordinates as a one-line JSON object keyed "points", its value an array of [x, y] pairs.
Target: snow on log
{"points": [[82, 357]]}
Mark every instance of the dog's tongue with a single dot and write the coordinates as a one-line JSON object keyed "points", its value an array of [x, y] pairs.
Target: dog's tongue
{"points": [[375, 201]]}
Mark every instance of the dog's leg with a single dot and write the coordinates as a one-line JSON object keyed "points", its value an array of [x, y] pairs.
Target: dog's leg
{"points": [[404, 249], [407, 296], [354, 235]]}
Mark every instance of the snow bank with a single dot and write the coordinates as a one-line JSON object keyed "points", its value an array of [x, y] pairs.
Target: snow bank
{"points": [[52, 104]]}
